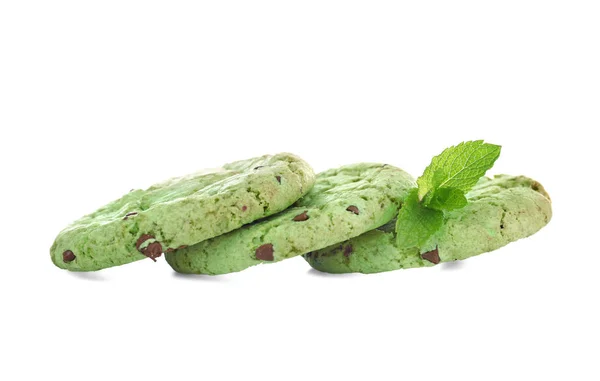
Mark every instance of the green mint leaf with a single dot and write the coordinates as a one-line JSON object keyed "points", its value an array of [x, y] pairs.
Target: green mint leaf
{"points": [[437, 178], [458, 167], [445, 199], [416, 223]]}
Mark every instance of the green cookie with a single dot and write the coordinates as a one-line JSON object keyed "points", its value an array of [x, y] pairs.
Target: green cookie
{"points": [[500, 211], [344, 203], [182, 211]]}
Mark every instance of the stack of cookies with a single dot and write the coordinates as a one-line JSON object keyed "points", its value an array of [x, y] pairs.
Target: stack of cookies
{"points": [[272, 208]]}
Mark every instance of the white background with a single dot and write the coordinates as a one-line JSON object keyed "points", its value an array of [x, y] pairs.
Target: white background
{"points": [[97, 98]]}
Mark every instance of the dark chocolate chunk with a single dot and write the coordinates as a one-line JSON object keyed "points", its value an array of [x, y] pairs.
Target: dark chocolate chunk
{"points": [[68, 256], [260, 166], [347, 251], [502, 226], [302, 216], [129, 215], [142, 239], [244, 208], [265, 252], [353, 209], [278, 179], [432, 256], [153, 251]]}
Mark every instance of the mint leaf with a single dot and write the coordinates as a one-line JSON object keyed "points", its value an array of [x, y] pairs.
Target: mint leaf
{"points": [[437, 178], [416, 223], [458, 167], [445, 199], [442, 188]]}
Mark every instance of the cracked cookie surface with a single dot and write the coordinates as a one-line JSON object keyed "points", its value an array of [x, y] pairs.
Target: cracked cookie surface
{"points": [[500, 210], [344, 203], [182, 211]]}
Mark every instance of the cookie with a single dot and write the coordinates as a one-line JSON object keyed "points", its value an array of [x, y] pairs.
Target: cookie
{"points": [[500, 211], [182, 211], [344, 203]]}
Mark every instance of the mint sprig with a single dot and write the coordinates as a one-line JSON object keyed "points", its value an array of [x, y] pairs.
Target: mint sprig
{"points": [[442, 188], [417, 221], [458, 167]]}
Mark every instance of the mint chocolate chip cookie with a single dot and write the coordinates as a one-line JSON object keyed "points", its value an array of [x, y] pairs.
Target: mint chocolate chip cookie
{"points": [[182, 211], [344, 203], [500, 210]]}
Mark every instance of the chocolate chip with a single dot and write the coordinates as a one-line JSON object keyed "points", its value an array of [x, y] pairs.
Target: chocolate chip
{"points": [[142, 239], [432, 256], [170, 249], [260, 166], [278, 179], [347, 251], [153, 251], [129, 215], [265, 252], [353, 209], [68, 256], [502, 226], [301, 217], [244, 208]]}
